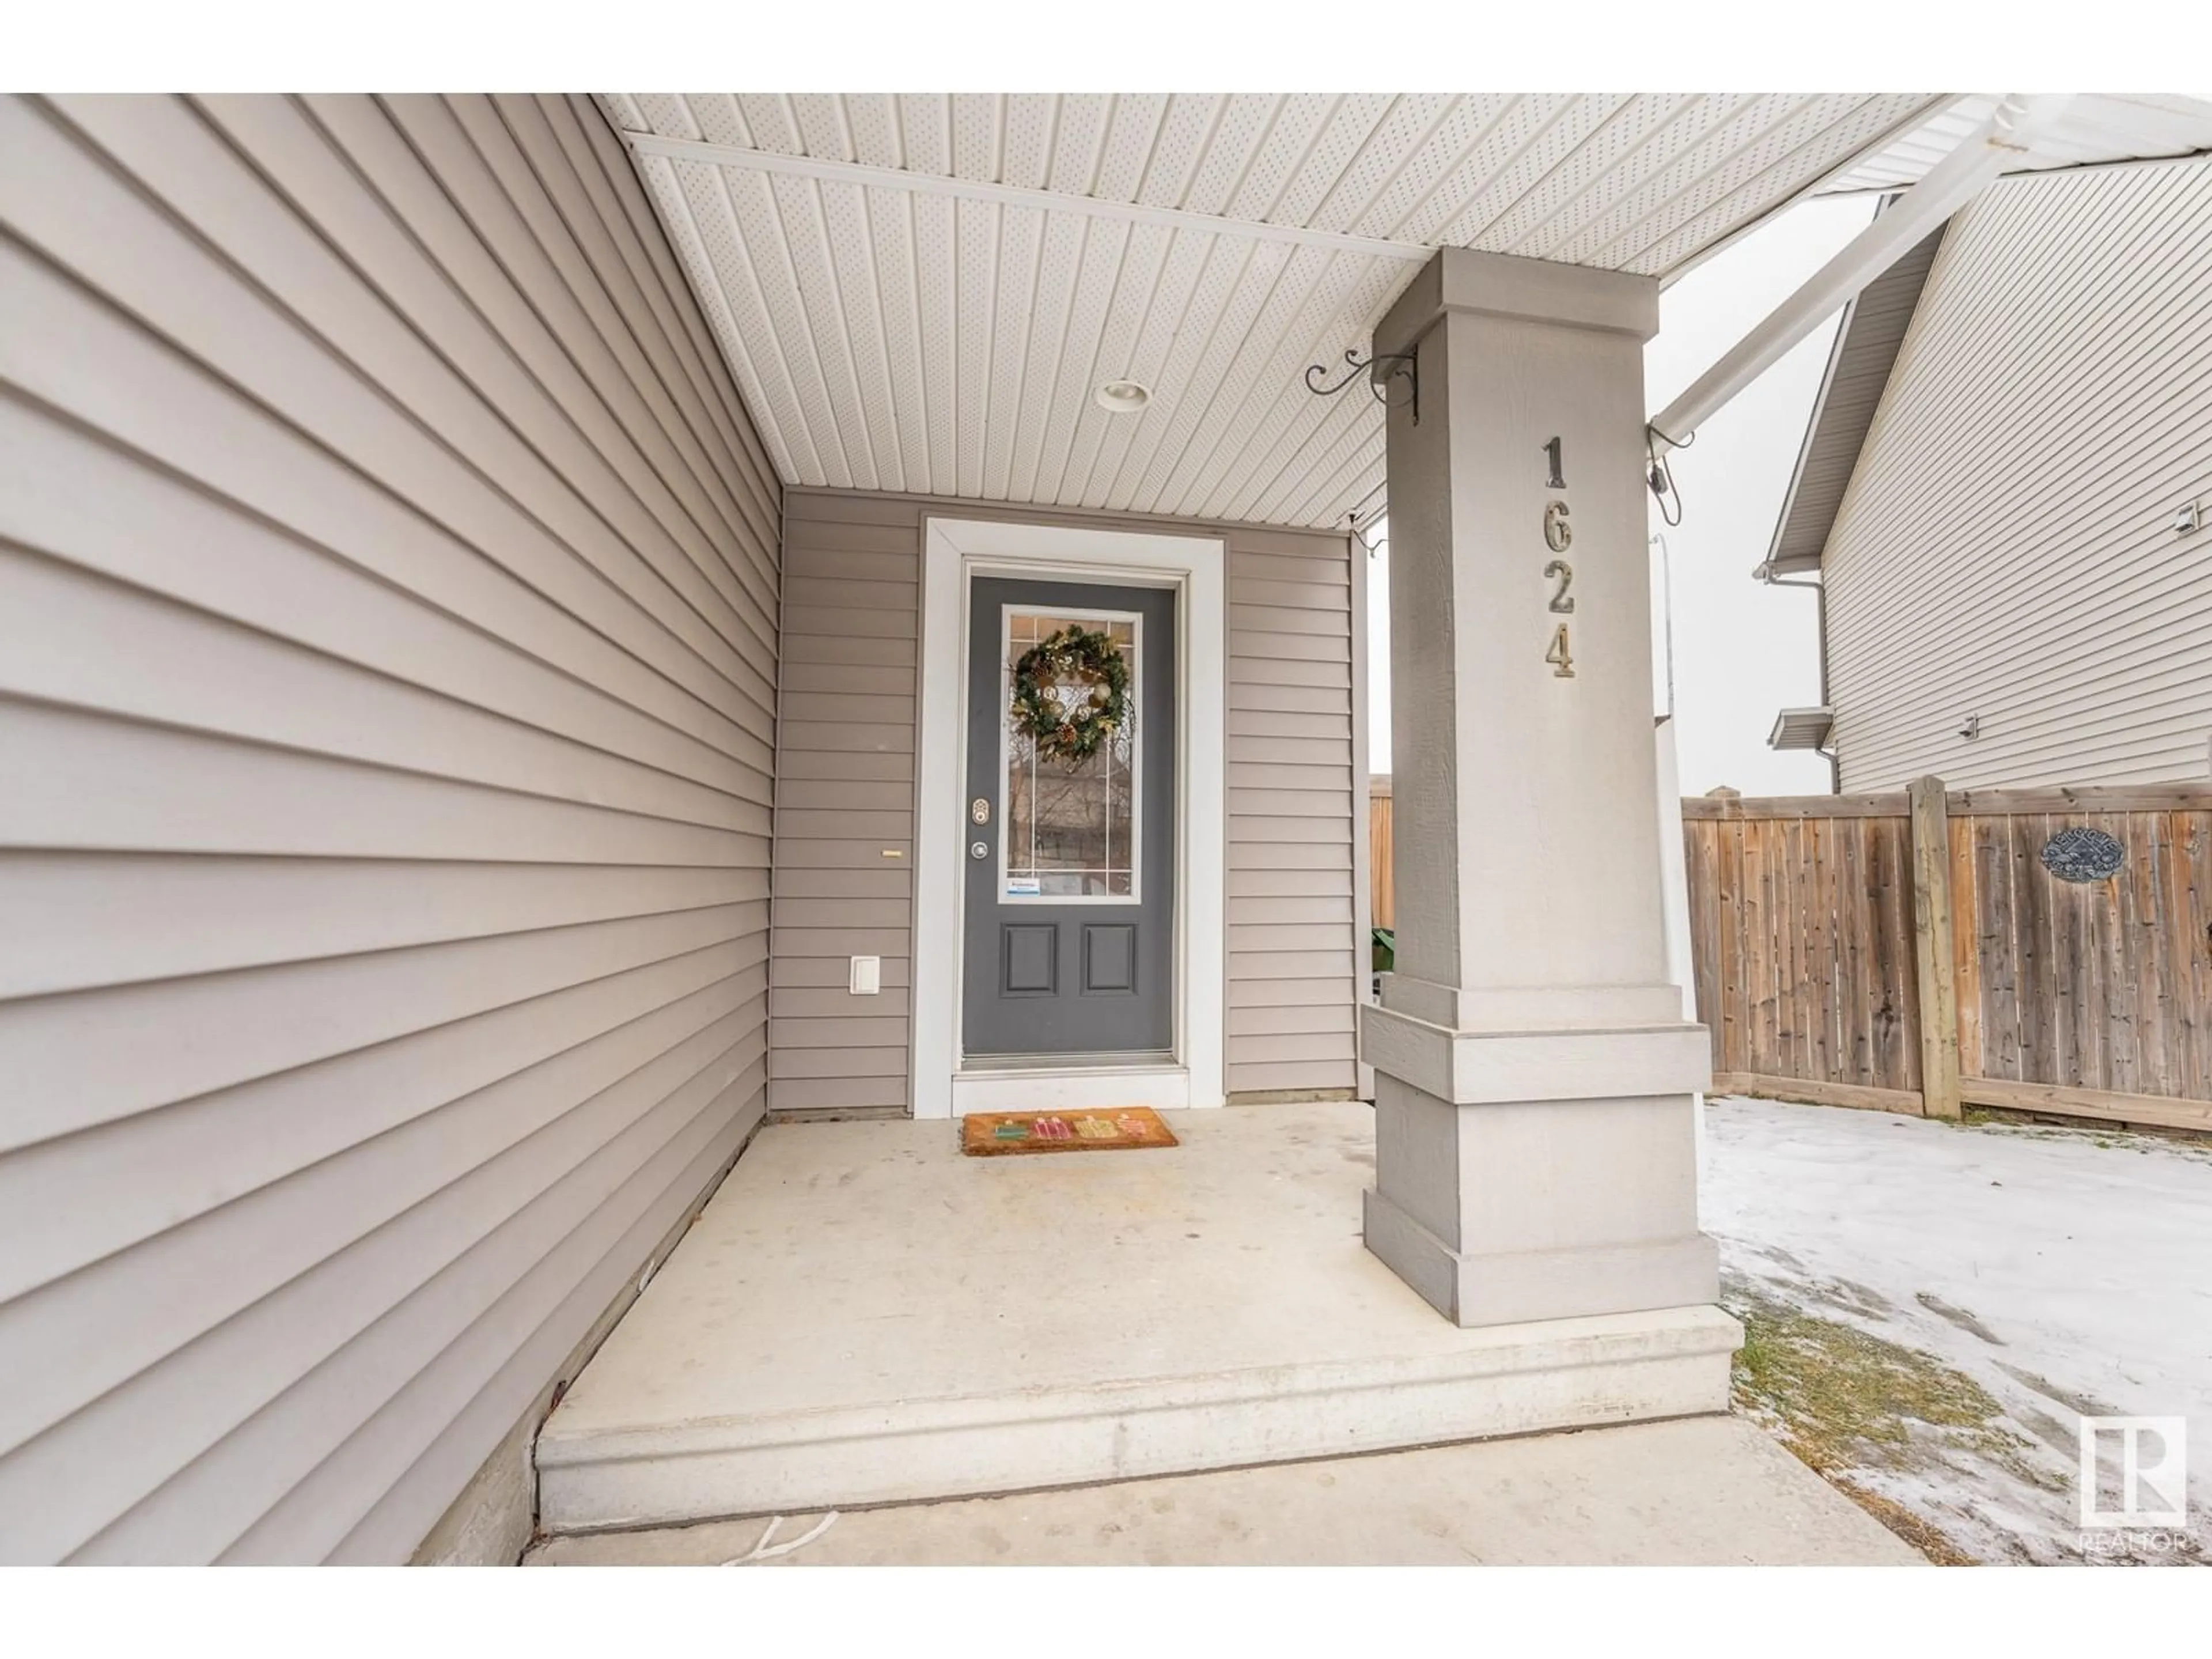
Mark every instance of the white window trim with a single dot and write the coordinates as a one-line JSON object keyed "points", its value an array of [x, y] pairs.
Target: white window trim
{"points": [[954, 551]]}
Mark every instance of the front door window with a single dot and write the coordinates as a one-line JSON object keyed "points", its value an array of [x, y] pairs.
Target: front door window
{"points": [[1070, 832]]}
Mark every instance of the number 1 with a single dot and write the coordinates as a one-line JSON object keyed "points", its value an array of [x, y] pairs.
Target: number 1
{"points": [[1558, 480]]}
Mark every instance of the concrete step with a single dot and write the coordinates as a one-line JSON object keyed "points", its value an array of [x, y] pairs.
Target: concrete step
{"points": [[862, 1316], [1695, 1492], [1568, 1374]]}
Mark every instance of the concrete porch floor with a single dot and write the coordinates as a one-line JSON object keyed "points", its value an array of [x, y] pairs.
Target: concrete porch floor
{"points": [[862, 1317]]}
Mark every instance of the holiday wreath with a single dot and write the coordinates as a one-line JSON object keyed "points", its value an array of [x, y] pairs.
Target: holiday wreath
{"points": [[1050, 704]]}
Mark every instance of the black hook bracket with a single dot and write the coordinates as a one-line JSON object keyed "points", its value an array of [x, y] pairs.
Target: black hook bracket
{"points": [[1403, 366]]}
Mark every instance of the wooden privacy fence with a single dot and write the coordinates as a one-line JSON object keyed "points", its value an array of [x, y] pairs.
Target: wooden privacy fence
{"points": [[1915, 951]]}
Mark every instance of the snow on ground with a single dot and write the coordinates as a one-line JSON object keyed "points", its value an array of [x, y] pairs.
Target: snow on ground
{"points": [[2068, 1271]]}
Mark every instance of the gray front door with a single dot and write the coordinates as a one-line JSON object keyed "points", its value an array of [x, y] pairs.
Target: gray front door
{"points": [[1070, 910]]}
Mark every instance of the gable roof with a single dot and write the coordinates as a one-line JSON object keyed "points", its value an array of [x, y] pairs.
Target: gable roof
{"points": [[1865, 350]]}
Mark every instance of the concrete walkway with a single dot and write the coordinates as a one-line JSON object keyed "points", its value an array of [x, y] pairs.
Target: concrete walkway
{"points": [[1697, 1492]]}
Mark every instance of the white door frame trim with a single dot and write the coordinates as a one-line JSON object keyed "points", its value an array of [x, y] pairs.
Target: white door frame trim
{"points": [[953, 550]]}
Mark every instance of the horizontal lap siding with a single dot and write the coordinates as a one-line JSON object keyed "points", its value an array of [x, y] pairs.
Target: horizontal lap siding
{"points": [[845, 801], [2006, 547], [1293, 814], [388, 610], [844, 846]]}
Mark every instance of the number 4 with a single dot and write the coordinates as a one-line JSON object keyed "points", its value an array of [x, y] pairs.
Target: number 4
{"points": [[1561, 658]]}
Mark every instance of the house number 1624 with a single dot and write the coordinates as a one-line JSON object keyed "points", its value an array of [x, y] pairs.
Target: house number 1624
{"points": [[1559, 537]]}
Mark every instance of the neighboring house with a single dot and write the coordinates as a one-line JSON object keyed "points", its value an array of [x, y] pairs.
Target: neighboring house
{"points": [[506, 606], [2006, 495]]}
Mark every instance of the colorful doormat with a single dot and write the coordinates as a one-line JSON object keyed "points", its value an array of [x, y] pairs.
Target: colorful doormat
{"points": [[1110, 1129]]}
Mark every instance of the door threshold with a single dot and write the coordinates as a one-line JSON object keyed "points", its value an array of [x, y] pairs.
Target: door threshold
{"points": [[1058, 1086], [1141, 1059]]}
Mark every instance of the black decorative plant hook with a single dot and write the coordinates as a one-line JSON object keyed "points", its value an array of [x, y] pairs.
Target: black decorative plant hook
{"points": [[1404, 366]]}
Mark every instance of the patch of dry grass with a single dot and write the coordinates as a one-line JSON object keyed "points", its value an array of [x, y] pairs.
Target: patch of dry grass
{"points": [[1923, 1535], [1843, 1401]]}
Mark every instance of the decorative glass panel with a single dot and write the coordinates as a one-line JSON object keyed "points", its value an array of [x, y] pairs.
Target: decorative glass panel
{"points": [[1070, 832]]}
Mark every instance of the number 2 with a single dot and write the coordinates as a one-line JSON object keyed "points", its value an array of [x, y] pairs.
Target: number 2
{"points": [[1561, 658], [1564, 574]]}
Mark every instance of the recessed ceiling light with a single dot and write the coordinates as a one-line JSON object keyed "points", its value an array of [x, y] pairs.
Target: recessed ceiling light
{"points": [[1122, 397]]}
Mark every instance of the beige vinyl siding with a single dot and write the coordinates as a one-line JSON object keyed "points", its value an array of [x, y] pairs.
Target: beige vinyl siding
{"points": [[846, 757], [846, 762], [1292, 981], [388, 593], [2005, 549]]}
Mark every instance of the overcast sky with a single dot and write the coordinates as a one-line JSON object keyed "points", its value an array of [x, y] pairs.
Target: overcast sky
{"points": [[1741, 649]]}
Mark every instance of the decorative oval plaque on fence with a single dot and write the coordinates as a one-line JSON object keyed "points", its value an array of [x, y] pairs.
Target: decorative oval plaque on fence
{"points": [[2083, 854]]}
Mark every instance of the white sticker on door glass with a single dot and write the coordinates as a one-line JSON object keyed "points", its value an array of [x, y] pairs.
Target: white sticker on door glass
{"points": [[1069, 829]]}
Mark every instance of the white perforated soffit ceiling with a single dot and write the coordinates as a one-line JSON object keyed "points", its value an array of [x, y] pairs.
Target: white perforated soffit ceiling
{"points": [[922, 292]]}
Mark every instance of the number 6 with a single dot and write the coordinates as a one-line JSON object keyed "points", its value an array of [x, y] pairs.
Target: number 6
{"points": [[1559, 535]]}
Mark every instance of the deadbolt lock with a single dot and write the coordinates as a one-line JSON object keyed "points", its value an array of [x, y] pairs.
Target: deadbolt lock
{"points": [[980, 809]]}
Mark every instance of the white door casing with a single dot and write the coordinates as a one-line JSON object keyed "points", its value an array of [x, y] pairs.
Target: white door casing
{"points": [[954, 551]]}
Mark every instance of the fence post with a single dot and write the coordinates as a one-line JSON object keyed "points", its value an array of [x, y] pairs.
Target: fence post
{"points": [[1932, 940]]}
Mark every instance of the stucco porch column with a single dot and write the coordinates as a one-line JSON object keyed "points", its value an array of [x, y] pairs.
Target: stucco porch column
{"points": [[1535, 1130]]}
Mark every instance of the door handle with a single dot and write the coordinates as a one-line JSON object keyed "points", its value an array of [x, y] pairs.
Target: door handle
{"points": [[981, 849]]}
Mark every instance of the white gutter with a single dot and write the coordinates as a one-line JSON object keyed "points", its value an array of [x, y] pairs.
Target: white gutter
{"points": [[1951, 183]]}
